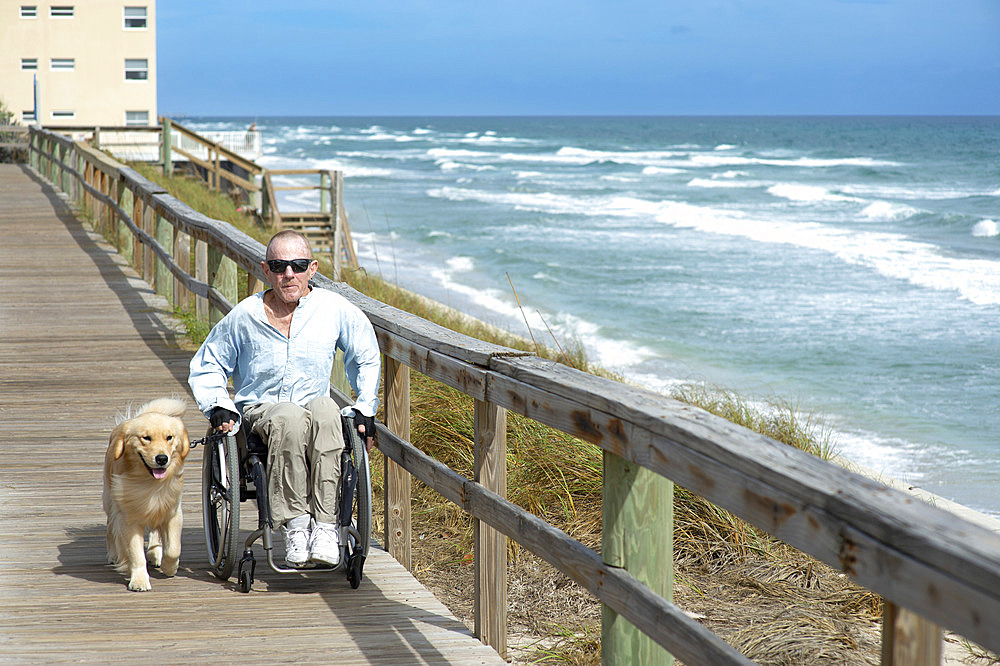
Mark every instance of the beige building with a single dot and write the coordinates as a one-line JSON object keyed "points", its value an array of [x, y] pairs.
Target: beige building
{"points": [[83, 63]]}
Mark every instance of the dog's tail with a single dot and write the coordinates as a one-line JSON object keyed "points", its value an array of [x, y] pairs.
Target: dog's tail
{"points": [[169, 406]]}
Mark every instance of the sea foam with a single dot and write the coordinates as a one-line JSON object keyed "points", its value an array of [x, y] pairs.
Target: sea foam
{"points": [[985, 229]]}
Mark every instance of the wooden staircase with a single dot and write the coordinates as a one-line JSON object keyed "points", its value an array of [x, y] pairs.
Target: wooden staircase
{"points": [[326, 229]]}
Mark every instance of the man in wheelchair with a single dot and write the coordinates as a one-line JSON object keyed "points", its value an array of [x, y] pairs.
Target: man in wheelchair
{"points": [[279, 347]]}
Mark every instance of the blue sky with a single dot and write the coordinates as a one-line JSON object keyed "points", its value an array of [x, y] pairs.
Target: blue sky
{"points": [[668, 57]]}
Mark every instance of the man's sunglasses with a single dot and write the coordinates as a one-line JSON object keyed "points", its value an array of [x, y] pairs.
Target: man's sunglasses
{"points": [[279, 265]]}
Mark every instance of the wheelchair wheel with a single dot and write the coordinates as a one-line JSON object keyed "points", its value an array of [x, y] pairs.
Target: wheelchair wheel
{"points": [[359, 539], [220, 501], [363, 501]]}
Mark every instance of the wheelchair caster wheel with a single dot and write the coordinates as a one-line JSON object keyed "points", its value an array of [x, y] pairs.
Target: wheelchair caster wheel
{"points": [[355, 563], [247, 566]]}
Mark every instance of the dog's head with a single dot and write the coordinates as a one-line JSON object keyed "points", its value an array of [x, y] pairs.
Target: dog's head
{"points": [[157, 442]]}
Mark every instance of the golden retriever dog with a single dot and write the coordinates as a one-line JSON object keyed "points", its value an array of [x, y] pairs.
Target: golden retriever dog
{"points": [[143, 477]]}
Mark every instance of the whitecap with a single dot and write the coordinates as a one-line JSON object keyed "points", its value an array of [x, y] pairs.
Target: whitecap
{"points": [[719, 183], [725, 146], [451, 165], [885, 210], [805, 193], [453, 153], [985, 229], [460, 264], [660, 171]]}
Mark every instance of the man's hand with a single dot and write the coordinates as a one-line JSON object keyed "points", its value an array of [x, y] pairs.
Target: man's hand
{"points": [[223, 420], [366, 426]]}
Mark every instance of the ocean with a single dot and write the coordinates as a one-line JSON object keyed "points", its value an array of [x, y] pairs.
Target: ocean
{"points": [[847, 266]]}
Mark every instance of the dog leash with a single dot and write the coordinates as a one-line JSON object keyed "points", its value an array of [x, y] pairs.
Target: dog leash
{"points": [[214, 437]]}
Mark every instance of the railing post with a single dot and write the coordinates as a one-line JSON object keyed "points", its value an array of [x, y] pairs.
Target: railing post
{"points": [[490, 546], [397, 479], [137, 219], [201, 274], [105, 188], [222, 276], [78, 162], [148, 258], [908, 639], [168, 160], [337, 202], [637, 535], [122, 233], [182, 256], [164, 278]]}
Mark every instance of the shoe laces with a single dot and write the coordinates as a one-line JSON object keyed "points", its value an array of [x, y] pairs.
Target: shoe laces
{"points": [[325, 536], [296, 537]]}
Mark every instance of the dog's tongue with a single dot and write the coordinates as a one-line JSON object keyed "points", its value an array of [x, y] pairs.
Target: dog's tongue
{"points": [[159, 472]]}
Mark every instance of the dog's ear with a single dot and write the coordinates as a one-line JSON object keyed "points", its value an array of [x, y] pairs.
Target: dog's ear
{"points": [[116, 444], [185, 445]]}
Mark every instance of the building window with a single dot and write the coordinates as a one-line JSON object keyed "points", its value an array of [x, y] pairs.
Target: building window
{"points": [[137, 118], [62, 64], [29, 11], [135, 18], [61, 11], [63, 115], [28, 116], [29, 64], [136, 69]]}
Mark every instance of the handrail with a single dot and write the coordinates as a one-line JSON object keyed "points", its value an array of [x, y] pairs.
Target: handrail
{"points": [[937, 564], [252, 167]]}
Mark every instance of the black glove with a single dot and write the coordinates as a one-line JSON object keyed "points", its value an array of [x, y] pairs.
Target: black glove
{"points": [[367, 421], [222, 415]]}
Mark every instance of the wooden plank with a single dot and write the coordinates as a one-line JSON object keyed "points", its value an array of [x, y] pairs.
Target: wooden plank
{"points": [[466, 377], [908, 639], [397, 481], [637, 525], [489, 545]]}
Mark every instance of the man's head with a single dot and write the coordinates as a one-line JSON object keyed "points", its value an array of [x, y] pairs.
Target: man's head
{"points": [[284, 248]]}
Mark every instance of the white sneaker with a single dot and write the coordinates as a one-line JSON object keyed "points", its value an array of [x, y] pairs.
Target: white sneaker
{"points": [[296, 546], [324, 544]]}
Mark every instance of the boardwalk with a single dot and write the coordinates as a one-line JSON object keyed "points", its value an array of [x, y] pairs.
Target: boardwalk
{"points": [[80, 337]]}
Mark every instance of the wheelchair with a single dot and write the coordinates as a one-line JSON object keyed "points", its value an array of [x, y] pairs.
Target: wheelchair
{"points": [[233, 471]]}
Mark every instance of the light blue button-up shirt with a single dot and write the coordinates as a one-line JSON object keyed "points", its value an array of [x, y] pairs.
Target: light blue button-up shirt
{"points": [[268, 367]]}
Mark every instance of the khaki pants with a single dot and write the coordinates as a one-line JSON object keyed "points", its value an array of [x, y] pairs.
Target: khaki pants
{"points": [[303, 459]]}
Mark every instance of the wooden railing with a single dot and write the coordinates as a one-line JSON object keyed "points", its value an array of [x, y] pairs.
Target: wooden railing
{"points": [[209, 155], [918, 557], [13, 140]]}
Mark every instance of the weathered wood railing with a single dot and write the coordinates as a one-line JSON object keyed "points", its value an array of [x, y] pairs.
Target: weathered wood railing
{"points": [[215, 154], [915, 555], [13, 139]]}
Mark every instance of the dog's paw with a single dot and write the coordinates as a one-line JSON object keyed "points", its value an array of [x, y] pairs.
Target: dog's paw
{"points": [[169, 567], [140, 583], [154, 555]]}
